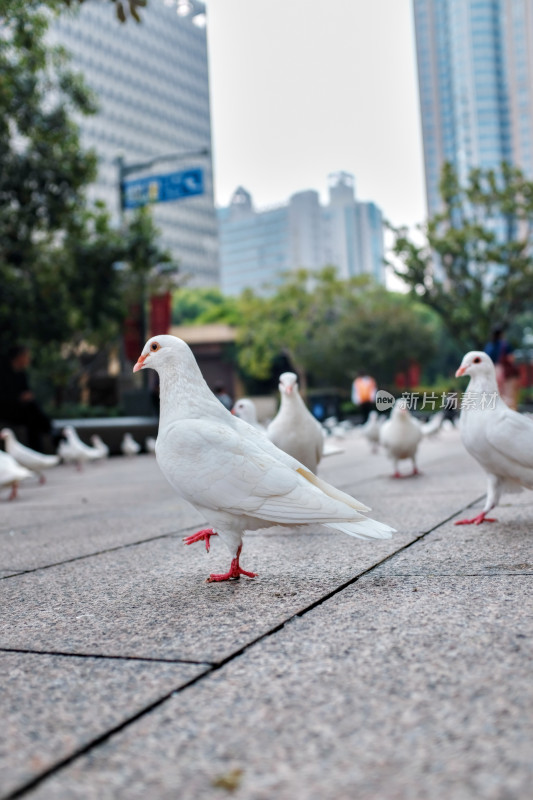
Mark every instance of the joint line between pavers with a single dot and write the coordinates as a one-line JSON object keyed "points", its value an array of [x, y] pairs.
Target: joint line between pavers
{"points": [[105, 657], [21, 791], [101, 552]]}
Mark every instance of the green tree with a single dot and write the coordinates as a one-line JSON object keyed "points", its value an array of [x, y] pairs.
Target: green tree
{"points": [[475, 267], [329, 329], [124, 8], [198, 306]]}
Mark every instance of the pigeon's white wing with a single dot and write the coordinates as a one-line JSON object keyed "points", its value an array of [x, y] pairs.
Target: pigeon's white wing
{"points": [[511, 434], [244, 476]]}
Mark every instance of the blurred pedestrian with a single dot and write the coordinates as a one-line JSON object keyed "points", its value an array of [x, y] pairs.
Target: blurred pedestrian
{"points": [[223, 396], [507, 372], [18, 406], [364, 393]]}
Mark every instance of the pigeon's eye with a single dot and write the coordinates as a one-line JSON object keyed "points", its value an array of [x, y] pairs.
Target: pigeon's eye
{"points": [[477, 360], [154, 346]]}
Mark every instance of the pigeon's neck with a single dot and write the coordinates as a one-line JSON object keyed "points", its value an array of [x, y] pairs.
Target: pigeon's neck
{"points": [[483, 384], [184, 394], [292, 403]]}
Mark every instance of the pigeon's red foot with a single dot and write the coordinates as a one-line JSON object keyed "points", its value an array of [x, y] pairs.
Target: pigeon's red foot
{"points": [[477, 520], [42, 479], [235, 571], [401, 475], [201, 536], [14, 491]]}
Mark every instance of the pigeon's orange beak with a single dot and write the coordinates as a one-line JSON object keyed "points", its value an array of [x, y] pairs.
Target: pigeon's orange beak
{"points": [[460, 371], [140, 362]]}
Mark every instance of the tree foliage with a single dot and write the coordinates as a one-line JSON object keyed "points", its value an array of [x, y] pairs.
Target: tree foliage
{"points": [[59, 280], [475, 266], [123, 8], [330, 329], [199, 306]]}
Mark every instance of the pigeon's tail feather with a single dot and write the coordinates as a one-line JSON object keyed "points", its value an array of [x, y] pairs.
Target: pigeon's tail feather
{"points": [[364, 529], [332, 491]]}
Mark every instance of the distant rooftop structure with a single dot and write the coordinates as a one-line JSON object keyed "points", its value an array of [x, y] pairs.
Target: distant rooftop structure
{"points": [[256, 247]]}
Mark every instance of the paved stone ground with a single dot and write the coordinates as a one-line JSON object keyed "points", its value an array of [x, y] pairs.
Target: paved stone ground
{"points": [[399, 670]]}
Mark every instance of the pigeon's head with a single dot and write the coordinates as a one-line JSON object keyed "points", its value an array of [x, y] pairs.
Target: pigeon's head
{"points": [[245, 409], [160, 351], [288, 383], [476, 364], [400, 409], [6, 433]]}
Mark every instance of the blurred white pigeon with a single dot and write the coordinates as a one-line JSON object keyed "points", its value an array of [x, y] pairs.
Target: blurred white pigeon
{"points": [[433, 425], [371, 429], [149, 444], [229, 470], [245, 409], [11, 472], [400, 436], [99, 445], [74, 450], [294, 429], [129, 446], [500, 439], [31, 459]]}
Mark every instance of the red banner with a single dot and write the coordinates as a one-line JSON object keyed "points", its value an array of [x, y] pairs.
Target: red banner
{"points": [[160, 313], [132, 333]]}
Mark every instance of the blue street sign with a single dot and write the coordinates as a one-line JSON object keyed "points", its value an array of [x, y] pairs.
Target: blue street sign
{"points": [[163, 188]]}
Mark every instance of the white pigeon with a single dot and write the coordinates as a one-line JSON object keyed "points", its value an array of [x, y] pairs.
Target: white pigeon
{"points": [[400, 436], [230, 471], [433, 425], [11, 473], [149, 444], [129, 446], [371, 429], [99, 445], [500, 439], [74, 450], [245, 409], [31, 459], [294, 429]]}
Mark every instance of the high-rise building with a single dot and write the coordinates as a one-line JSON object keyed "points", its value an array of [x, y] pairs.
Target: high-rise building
{"points": [[152, 87], [257, 247], [475, 71]]}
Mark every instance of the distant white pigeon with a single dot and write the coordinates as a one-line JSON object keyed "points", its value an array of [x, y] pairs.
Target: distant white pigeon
{"points": [[433, 425], [11, 473], [31, 459], [99, 445], [371, 429], [400, 435], [229, 470], [500, 439], [129, 446], [149, 444], [73, 450], [294, 429], [245, 409]]}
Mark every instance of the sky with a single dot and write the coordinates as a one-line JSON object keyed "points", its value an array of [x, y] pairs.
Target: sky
{"points": [[303, 88]]}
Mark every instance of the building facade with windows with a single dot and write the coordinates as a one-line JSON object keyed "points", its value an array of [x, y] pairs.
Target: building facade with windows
{"points": [[258, 246], [151, 83], [475, 73]]}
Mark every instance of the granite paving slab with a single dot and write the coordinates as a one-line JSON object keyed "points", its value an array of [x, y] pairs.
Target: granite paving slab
{"points": [[492, 548], [397, 688], [52, 706]]}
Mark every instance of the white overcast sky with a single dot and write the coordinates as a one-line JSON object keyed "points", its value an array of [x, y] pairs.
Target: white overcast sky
{"points": [[302, 88]]}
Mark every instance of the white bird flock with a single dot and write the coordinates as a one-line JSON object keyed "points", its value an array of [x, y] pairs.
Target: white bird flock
{"points": [[73, 450], [294, 429], [500, 439], [229, 470], [26, 457]]}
